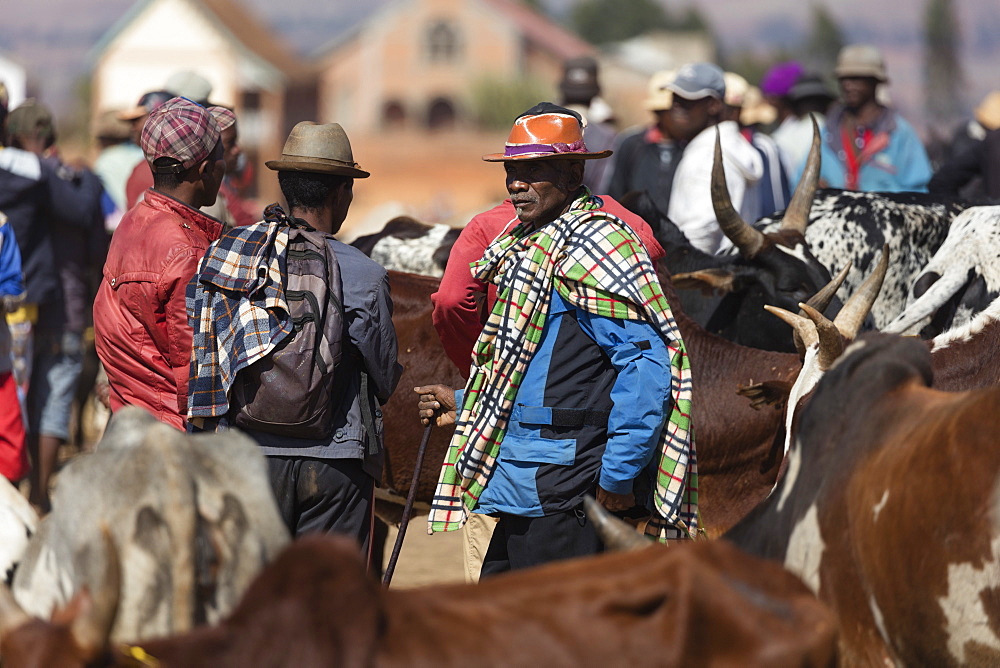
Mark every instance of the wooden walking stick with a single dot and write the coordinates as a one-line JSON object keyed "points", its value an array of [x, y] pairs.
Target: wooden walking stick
{"points": [[408, 506]]}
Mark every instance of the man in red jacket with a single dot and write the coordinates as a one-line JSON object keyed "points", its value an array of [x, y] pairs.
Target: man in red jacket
{"points": [[140, 319]]}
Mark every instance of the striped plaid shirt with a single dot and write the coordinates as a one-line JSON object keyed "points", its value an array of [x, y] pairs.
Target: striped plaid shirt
{"points": [[597, 264], [236, 306]]}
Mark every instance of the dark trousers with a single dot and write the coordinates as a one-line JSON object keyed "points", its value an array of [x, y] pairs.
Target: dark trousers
{"points": [[323, 496], [522, 542]]}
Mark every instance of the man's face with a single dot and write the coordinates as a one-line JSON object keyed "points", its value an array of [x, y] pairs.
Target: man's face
{"points": [[689, 117], [542, 190], [230, 148], [856, 92]]}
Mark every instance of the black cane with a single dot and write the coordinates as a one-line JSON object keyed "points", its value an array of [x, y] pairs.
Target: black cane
{"points": [[408, 506]]}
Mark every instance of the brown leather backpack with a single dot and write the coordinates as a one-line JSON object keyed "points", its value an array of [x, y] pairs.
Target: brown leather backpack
{"points": [[289, 392]]}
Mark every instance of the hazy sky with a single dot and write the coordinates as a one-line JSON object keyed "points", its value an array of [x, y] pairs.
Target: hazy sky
{"points": [[53, 37]]}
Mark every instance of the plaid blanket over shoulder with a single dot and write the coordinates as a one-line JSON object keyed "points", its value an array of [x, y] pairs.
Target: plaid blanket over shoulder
{"points": [[236, 306], [598, 264]]}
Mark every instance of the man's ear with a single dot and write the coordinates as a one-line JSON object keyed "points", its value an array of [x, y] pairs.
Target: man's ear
{"points": [[574, 177], [714, 108]]}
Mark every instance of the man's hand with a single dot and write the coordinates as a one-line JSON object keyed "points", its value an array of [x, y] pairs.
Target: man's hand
{"points": [[615, 502], [436, 402]]}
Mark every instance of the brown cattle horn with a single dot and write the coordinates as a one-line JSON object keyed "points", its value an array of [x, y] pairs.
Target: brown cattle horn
{"points": [[618, 536], [849, 320], [822, 299], [831, 343], [797, 214], [804, 328], [748, 240], [12, 615], [92, 629]]}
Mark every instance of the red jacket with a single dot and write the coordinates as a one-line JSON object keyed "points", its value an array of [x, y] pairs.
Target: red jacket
{"points": [[459, 312], [140, 319]]}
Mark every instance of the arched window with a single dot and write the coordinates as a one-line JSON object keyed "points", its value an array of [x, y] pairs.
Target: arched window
{"points": [[393, 115], [443, 45], [441, 114]]}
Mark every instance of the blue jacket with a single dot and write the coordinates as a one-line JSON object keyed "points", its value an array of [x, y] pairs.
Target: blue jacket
{"points": [[901, 166], [11, 286], [589, 411]]}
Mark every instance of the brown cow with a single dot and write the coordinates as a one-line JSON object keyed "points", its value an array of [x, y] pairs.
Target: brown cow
{"points": [[889, 509], [704, 604]]}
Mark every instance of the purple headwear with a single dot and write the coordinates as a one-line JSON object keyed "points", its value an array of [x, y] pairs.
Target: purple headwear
{"points": [[778, 80]]}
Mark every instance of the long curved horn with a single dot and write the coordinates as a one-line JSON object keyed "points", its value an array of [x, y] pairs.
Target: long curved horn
{"points": [[928, 303], [748, 240], [849, 320], [831, 343], [822, 299], [797, 213], [92, 629], [804, 328], [618, 536]]}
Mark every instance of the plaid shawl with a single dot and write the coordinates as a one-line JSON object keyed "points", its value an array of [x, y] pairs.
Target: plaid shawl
{"points": [[599, 265], [236, 306]]}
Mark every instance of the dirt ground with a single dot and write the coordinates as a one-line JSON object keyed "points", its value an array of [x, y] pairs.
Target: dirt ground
{"points": [[426, 559], [435, 178]]}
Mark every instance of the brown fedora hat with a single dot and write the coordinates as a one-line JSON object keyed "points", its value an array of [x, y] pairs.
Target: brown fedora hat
{"points": [[323, 149]]}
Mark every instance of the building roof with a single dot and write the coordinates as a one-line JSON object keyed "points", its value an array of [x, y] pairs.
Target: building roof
{"points": [[234, 19], [541, 31]]}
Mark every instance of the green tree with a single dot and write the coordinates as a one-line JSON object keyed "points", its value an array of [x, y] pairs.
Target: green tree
{"points": [[601, 21], [825, 41], [495, 101], [942, 70]]}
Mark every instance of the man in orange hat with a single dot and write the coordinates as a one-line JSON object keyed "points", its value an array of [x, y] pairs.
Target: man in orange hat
{"points": [[579, 382]]}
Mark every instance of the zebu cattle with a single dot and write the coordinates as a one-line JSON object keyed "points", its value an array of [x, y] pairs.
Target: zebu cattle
{"points": [[410, 246], [193, 516], [890, 509], [961, 280], [846, 226], [18, 522], [773, 267], [700, 604]]}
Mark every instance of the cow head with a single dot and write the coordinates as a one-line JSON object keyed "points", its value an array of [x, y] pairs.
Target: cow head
{"points": [[773, 268]]}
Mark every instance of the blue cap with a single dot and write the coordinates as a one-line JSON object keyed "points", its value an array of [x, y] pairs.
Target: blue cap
{"points": [[695, 81]]}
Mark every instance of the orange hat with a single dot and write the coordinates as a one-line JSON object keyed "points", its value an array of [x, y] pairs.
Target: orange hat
{"points": [[546, 132]]}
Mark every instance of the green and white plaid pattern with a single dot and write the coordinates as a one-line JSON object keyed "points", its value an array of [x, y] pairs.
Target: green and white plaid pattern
{"points": [[599, 265]]}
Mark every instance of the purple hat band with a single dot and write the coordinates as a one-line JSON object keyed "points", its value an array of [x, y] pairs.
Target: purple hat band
{"points": [[511, 151]]}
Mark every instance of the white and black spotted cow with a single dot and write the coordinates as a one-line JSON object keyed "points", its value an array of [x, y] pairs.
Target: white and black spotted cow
{"points": [[847, 226], [962, 278], [407, 245]]}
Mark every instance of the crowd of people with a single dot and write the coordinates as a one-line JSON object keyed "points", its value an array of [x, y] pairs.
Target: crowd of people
{"points": [[577, 377]]}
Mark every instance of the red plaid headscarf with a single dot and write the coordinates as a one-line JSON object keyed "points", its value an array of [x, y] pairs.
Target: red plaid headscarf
{"points": [[179, 129]]}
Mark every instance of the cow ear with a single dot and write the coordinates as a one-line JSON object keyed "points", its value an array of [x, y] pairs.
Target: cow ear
{"points": [[772, 393], [709, 281]]}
